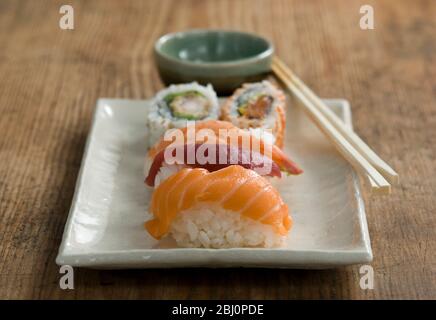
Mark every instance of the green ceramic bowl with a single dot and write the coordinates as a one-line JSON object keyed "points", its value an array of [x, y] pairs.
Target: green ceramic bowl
{"points": [[225, 59]]}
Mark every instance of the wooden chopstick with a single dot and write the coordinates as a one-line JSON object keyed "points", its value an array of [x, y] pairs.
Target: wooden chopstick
{"points": [[378, 184], [281, 65], [349, 134]]}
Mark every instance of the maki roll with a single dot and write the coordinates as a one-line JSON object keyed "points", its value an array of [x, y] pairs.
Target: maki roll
{"points": [[257, 106], [172, 107]]}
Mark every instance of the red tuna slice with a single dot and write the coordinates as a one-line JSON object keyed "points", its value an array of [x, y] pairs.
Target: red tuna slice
{"points": [[197, 156]]}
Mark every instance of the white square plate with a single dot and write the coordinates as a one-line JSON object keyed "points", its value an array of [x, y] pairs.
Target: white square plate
{"points": [[105, 225]]}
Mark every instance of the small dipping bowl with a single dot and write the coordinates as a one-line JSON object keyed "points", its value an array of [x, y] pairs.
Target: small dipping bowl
{"points": [[225, 59]]}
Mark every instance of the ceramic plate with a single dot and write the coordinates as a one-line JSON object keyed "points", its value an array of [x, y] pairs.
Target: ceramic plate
{"points": [[105, 224]]}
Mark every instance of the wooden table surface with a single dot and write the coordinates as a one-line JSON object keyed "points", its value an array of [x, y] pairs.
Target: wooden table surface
{"points": [[50, 80]]}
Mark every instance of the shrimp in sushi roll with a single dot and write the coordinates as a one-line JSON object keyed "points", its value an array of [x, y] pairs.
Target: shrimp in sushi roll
{"points": [[172, 107], [231, 207], [257, 106]]}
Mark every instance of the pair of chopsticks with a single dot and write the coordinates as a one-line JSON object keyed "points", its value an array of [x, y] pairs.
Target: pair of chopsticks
{"points": [[363, 159]]}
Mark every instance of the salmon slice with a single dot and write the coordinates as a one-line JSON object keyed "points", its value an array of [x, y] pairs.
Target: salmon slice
{"points": [[214, 127], [233, 188]]}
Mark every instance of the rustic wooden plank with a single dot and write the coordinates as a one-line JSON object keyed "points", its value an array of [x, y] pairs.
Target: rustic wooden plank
{"points": [[50, 80]]}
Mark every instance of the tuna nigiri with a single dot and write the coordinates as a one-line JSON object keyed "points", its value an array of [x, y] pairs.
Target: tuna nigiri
{"points": [[214, 127], [211, 157], [231, 207]]}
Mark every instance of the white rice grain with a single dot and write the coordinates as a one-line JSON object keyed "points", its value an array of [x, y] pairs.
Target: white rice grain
{"points": [[214, 227]]}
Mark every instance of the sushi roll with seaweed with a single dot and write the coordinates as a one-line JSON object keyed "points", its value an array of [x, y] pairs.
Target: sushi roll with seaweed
{"points": [[257, 106], [172, 107], [230, 207]]}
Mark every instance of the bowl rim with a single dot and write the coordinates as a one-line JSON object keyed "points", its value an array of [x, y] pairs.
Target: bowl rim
{"points": [[255, 58]]}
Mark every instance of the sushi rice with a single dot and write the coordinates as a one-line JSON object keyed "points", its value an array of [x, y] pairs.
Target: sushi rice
{"points": [[172, 107], [210, 226]]}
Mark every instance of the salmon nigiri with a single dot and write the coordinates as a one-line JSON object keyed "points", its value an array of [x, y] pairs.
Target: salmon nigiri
{"points": [[214, 127], [231, 207]]}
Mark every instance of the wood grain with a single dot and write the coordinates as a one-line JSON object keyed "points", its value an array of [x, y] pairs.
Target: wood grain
{"points": [[50, 80]]}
